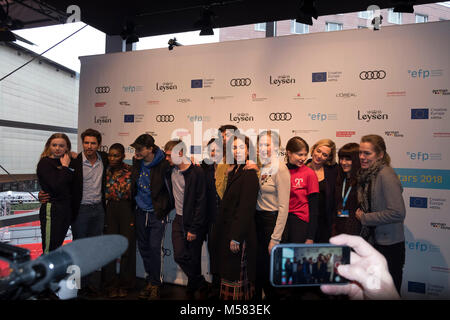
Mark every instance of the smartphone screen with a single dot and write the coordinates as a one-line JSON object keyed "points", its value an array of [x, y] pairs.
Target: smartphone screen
{"points": [[307, 264]]}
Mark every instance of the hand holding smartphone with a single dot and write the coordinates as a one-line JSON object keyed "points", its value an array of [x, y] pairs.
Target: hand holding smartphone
{"points": [[295, 265]]}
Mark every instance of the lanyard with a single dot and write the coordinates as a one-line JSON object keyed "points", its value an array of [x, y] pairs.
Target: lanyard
{"points": [[344, 199]]}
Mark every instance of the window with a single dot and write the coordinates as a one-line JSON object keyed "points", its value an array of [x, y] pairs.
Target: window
{"points": [[332, 26], [394, 17], [299, 27], [365, 14], [260, 27], [420, 18]]}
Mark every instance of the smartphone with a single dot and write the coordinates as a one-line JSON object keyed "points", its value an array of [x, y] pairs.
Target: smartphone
{"points": [[296, 265]]}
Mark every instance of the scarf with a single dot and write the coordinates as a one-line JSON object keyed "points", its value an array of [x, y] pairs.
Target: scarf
{"points": [[366, 181]]}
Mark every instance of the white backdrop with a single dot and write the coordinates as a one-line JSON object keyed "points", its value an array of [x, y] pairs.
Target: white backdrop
{"points": [[339, 85]]}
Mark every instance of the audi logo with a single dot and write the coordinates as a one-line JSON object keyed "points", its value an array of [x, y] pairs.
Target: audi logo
{"points": [[165, 118], [372, 75], [242, 82], [102, 89], [280, 116]]}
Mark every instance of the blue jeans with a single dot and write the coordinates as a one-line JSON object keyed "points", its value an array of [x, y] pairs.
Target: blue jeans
{"points": [[89, 222], [150, 233]]}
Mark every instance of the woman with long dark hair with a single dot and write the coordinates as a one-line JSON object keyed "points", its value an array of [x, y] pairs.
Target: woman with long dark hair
{"points": [[234, 237], [382, 209], [55, 178], [345, 220]]}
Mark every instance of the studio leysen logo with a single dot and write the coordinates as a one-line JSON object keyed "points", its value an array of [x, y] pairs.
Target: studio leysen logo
{"points": [[280, 116], [423, 156], [428, 113], [425, 73], [241, 117], [372, 75], [329, 76], [442, 92], [103, 89], [100, 104], [102, 120], [372, 115], [166, 86], [281, 80], [132, 88]]}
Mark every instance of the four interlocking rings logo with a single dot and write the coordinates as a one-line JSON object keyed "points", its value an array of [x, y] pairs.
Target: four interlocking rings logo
{"points": [[242, 82], [280, 116], [372, 75], [165, 118], [102, 89]]}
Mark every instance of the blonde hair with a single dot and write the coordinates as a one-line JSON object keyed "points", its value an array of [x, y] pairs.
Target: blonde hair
{"points": [[47, 152], [331, 161]]}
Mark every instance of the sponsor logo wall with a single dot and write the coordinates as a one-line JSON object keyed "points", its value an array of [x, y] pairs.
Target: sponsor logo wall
{"points": [[344, 95]]}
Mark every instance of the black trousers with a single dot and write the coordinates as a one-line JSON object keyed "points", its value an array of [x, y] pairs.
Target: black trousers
{"points": [[188, 254], [120, 219], [55, 222], [265, 223], [395, 256], [296, 230]]}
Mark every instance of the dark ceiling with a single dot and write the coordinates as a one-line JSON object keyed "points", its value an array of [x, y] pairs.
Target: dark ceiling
{"points": [[163, 17]]}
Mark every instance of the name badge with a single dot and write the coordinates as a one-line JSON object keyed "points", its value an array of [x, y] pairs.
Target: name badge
{"points": [[343, 214]]}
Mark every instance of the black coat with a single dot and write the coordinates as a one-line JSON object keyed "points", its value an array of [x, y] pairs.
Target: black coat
{"points": [[159, 191], [236, 221], [77, 185], [212, 198], [194, 202], [325, 219]]}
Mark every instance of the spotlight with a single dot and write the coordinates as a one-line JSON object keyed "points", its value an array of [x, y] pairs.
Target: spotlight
{"points": [[376, 22], [173, 43], [403, 6], [307, 11], [129, 33], [206, 23]]}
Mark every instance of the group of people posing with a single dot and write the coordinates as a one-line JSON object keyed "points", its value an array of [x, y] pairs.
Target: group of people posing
{"points": [[242, 208]]}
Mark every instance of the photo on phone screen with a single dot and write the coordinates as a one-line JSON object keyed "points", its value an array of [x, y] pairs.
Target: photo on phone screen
{"points": [[307, 265]]}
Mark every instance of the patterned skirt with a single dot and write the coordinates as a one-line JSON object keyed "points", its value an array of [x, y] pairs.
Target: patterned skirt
{"points": [[238, 290]]}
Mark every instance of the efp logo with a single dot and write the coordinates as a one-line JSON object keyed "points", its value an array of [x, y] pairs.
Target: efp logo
{"points": [[418, 202], [322, 116], [420, 114], [197, 83], [425, 74], [424, 156], [422, 247], [319, 77]]}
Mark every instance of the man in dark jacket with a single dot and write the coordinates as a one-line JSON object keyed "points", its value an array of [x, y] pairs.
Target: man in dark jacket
{"points": [[151, 202], [188, 195]]}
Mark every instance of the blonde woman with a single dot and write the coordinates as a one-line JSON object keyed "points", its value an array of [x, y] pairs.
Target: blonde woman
{"points": [[323, 162], [55, 178]]}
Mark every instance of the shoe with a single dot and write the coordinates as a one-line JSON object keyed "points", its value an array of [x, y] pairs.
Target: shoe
{"points": [[204, 291], [155, 293], [145, 293], [113, 293], [123, 293]]}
